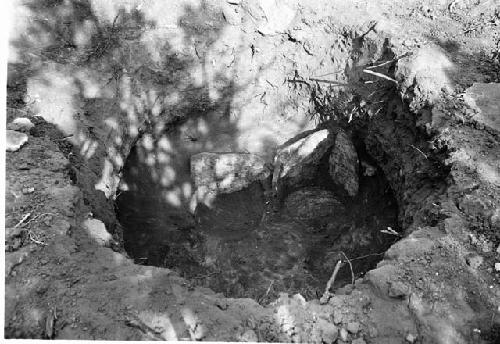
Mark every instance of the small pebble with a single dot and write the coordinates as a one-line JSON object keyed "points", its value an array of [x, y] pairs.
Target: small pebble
{"points": [[27, 191], [343, 334], [497, 267], [410, 338], [353, 327]]}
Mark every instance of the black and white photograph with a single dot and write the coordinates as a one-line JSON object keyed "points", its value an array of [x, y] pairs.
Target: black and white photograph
{"points": [[277, 171]]}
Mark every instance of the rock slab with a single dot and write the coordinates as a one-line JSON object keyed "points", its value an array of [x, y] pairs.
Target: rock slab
{"points": [[218, 173], [343, 164]]}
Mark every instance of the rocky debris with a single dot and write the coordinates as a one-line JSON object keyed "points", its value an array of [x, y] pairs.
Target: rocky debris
{"points": [[15, 140], [298, 161], [218, 173], [485, 98], [22, 124], [497, 267], [343, 164], [313, 204], [97, 231]]}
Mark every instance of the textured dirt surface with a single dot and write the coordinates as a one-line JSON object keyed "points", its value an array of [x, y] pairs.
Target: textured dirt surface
{"points": [[84, 69]]}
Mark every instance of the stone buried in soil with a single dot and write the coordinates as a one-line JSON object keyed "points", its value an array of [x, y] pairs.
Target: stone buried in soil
{"points": [[97, 231], [15, 140], [218, 173], [21, 124], [298, 161], [313, 204], [344, 164]]}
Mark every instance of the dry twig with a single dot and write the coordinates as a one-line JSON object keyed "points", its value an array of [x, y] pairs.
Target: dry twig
{"points": [[326, 295], [380, 75], [22, 220], [350, 265]]}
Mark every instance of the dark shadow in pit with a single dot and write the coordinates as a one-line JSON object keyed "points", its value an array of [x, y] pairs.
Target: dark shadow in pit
{"points": [[250, 245]]}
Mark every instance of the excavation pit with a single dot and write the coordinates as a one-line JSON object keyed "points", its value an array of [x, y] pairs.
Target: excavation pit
{"points": [[253, 243]]}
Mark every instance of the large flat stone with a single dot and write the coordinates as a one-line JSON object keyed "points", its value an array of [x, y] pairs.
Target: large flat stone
{"points": [[217, 173], [486, 98]]}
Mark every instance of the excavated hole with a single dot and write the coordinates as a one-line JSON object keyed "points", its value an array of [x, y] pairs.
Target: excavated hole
{"points": [[249, 244]]}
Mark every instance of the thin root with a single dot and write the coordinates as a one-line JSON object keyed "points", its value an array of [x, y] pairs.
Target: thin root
{"points": [[418, 150]]}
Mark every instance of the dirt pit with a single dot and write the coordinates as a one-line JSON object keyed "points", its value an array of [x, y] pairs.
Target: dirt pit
{"points": [[252, 243]]}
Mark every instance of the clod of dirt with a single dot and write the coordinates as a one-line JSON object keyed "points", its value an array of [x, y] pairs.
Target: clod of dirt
{"points": [[21, 124], [15, 140]]}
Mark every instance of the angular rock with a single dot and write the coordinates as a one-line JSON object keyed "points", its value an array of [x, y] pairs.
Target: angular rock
{"points": [[219, 173], [297, 162], [15, 140], [329, 332], [486, 98], [21, 124], [344, 334], [313, 204], [344, 164], [271, 17], [97, 231], [353, 327]]}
